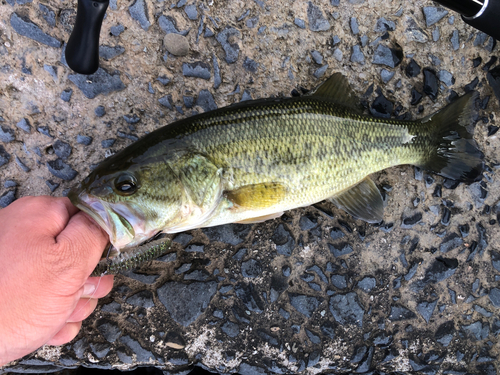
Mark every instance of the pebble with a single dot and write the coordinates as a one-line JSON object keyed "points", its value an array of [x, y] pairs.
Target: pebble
{"points": [[166, 101], [252, 22], [52, 70], [414, 33], [116, 30], [316, 18], [7, 198], [246, 96], [131, 119], [433, 15], [436, 34], [66, 95], [472, 85], [320, 71], [386, 75], [21, 164], [283, 240], [83, 139], [384, 56], [107, 52], [416, 96], [440, 269], [227, 38], [208, 32], [100, 82], [48, 14], [206, 100], [399, 313], [7, 134], [317, 57], [107, 143], [251, 268], [62, 149], [191, 12], [339, 281], [346, 309], [431, 85], [446, 77], [337, 54], [305, 305], [61, 170], [176, 44], [25, 27], [217, 77], [384, 25], [367, 284], [382, 107], [300, 23], [250, 65], [357, 55], [340, 249], [354, 26], [100, 111], [4, 156], [139, 12], [454, 40]]}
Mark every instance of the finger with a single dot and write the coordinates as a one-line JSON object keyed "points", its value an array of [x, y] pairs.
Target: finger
{"points": [[83, 309], [72, 210], [66, 334], [97, 287], [83, 242]]}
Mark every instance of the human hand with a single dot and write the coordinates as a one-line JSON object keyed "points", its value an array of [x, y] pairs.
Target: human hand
{"points": [[47, 250]]}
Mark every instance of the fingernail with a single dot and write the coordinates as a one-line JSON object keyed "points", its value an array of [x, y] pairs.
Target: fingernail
{"points": [[88, 289]]}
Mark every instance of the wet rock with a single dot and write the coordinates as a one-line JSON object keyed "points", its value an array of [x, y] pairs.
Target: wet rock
{"points": [[316, 18], [381, 107], [426, 309], [230, 329], [384, 25], [250, 297], [61, 170], [386, 56], [283, 240], [206, 101], [228, 40], [412, 69], [109, 330], [346, 309], [107, 143], [399, 313], [176, 44], [139, 12], [431, 84], [341, 249], [195, 299], [197, 69], [100, 82], [446, 77], [477, 330], [251, 268], [109, 52], [440, 269], [434, 15], [494, 296], [25, 27], [166, 101], [7, 134], [7, 198], [306, 305], [472, 85], [233, 234], [142, 355], [142, 299], [367, 284], [62, 149], [4, 156]]}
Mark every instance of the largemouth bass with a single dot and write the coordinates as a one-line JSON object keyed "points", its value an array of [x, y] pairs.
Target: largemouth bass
{"points": [[252, 161]]}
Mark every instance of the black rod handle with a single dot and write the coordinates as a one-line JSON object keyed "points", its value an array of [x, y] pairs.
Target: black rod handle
{"points": [[467, 8], [487, 19], [82, 51]]}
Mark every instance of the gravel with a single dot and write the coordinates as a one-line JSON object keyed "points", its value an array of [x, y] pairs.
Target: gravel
{"points": [[25, 27]]}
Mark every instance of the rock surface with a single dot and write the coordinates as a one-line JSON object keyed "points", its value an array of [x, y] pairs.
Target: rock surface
{"points": [[314, 291]]}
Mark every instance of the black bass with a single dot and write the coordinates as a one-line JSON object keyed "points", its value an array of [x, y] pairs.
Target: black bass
{"points": [[252, 161]]}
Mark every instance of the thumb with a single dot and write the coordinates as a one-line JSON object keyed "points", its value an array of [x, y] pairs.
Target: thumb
{"points": [[84, 242]]}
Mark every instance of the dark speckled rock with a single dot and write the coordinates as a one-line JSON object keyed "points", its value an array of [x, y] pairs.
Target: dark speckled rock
{"points": [[61, 170], [316, 18], [346, 309], [100, 82], [24, 26], [195, 299], [227, 39], [4, 156]]}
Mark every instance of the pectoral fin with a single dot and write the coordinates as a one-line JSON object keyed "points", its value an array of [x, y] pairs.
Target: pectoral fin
{"points": [[257, 196], [362, 201]]}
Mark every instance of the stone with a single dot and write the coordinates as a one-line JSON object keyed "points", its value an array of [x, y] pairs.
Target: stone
{"points": [[169, 25], [195, 299], [431, 85], [83, 139], [62, 149], [306, 305], [251, 268], [98, 83], [7, 134], [300, 23], [316, 18], [107, 143], [7, 198], [48, 14], [197, 69], [191, 12], [25, 27], [217, 77], [228, 40], [108, 52], [250, 65], [433, 15], [4, 156], [206, 101], [357, 55], [346, 309], [66, 95], [116, 30], [176, 44], [414, 33], [61, 170], [139, 12]]}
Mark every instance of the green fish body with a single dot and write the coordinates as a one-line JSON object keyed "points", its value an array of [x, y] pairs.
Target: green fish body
{"points": [[252, 161]]}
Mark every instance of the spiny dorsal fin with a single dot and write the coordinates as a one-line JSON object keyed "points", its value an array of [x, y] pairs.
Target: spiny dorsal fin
{"points": [[256, 196], [362, 201], [337, 89]]}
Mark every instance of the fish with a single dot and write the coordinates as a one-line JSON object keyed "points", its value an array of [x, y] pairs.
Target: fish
{"points": [[252, 161]]}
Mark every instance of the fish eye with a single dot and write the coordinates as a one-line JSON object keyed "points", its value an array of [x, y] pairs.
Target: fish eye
{"points": [[126, 184]]}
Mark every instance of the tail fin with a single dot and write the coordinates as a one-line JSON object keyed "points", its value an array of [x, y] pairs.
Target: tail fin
{"points": [[456, 155]]}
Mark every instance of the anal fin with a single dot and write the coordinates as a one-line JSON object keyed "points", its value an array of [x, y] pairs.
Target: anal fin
{"points": [[362, 201], [260, 219]]}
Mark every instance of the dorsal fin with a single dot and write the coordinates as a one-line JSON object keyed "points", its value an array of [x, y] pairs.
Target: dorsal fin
{"points": [[337, 89], [362, 201]]}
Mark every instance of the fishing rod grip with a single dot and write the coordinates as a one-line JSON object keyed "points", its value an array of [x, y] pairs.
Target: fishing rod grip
{"points": [[484, 15], [82, 50]]}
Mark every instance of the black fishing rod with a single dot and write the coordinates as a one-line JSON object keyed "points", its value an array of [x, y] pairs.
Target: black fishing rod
{"points": [[484, 15]]}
